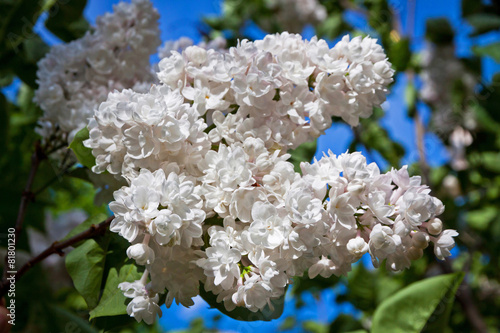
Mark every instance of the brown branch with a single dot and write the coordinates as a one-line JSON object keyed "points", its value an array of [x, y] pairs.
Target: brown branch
{"points": [[464, 294], [57, 247], [27, 195], [420, 133], [466, 300]]}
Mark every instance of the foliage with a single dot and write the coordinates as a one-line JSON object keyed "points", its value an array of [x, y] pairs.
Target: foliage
{"points": [[386, 300]]}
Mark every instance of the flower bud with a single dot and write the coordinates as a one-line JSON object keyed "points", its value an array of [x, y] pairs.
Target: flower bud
{"points": [[414, 253], [357, 246], [435, 226], [141, 253], [420, 240]]}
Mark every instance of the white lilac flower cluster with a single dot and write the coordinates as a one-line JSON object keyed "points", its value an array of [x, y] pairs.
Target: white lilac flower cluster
{"points": [[213, 201], [75, 78], [250, 224], [282, 90]]}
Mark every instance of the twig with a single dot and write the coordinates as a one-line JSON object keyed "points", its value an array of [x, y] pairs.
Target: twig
{"points": [[464, 294], [420, 133], [57, 247], [53, 180], [27, 196], [464, 297]]}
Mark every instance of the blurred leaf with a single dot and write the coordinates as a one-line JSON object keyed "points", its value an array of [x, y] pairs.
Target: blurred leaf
{"points": [[4, 123], [83, 153], [481, 218], [288, 324], [423, 306], [331, 27], [399, 54], [303, 284], [71, 321], [113, 302], [18, 20], [304, 153], [85, 265], [489, 160], [471, 7], [439, 31], [345, 323], [361, 289], [6, 78], [80, 173], [121, 323], [314, 327], [23, 61], [66, 20], [491, 50], [373, 136], [411, 95], [483, 22], [242, 313]]}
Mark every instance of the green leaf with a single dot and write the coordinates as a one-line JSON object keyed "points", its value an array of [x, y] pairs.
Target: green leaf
{"points": [[399, 54], [439, 31], [411, 95], [112, 302], [85, 265], [490, 50], [85, 225], [423, 306], [243, 314], [66, 20], [72, 322], [304, 153], [83, 153], [483, 22]]}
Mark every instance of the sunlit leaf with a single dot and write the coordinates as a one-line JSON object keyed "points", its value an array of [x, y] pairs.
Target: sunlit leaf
{"points": [[112, 302], [423, 306]]}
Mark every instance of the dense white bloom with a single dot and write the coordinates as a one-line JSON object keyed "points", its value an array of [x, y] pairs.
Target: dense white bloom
{"points": [[211, 198], [75, 77], [132, 130], [285, 90], [269, 223], [222, 264], [269, 227]]}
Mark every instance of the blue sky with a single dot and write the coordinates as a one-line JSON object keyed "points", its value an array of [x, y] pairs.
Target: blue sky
{"points": [[181, 18]]}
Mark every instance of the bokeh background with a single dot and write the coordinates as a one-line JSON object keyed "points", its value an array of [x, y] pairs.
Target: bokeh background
{"points": [[441, 118]]}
